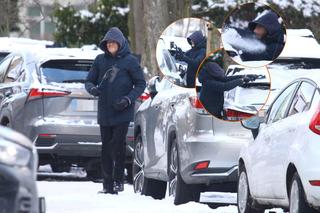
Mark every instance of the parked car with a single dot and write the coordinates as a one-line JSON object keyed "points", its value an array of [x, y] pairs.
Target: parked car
{"points": [[178, 142], [280, 167], [18, 168], [42, 95]]}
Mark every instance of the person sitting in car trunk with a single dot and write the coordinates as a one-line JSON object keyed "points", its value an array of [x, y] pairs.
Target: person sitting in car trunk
{"points": [[194, 56], [214, 84], [117, 78]]}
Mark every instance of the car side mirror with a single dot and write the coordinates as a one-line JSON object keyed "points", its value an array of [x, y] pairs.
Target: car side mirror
{"points": [[253, 124], [152, 86]]}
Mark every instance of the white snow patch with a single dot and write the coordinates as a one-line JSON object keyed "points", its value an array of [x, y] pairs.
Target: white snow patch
{"points": [[233, 38], [70, 197]]}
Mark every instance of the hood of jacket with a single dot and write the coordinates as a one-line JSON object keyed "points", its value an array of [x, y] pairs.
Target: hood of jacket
{"points": [[115, 34]]}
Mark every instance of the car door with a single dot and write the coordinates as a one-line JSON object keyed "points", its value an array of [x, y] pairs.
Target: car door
{"points": [[153, 127], [16, 95], [262, 149], [3, 70], [285, 137]]}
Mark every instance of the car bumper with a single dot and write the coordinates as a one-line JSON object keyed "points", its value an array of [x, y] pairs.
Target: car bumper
{"points": [[18, 190], [222, 156], [312, 192], [82, 140]]}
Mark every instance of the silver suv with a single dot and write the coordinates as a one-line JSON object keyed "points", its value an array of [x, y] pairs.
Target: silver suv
{"points": [[42, 95], [179, 143]]}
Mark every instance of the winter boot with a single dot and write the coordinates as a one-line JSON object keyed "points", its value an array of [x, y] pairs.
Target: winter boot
{"points": [[118, 186]]}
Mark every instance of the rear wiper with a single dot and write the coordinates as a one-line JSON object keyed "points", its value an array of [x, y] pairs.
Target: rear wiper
{"points": [[260, 85], [74, 81]]}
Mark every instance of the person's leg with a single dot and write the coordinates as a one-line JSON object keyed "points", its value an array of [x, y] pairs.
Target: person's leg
{"points": [[119, 154], [106, 158]]}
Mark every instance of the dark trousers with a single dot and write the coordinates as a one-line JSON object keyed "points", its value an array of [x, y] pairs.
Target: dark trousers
{"points": [[113, 152]]}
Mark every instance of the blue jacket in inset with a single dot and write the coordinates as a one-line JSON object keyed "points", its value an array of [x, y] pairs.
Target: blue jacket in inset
{"points": [[194, 56], [128, 81], [214, 84], [274, 40]]}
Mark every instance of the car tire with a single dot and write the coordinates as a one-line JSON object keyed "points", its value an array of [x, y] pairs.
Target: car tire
{"points": [[245, 202], [141, 184], [181, 191], [297, 199]]}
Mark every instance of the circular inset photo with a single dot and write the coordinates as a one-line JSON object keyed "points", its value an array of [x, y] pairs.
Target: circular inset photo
{"points": [[232, 94], [253, 35], [183, 46]]}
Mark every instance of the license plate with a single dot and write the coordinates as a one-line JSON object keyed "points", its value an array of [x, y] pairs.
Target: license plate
{"points": [[85, 105]]}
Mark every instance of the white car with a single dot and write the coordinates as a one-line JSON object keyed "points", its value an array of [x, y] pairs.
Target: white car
{"points": [[280, 168]]}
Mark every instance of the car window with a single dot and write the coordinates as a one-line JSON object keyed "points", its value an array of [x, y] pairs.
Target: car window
{"points": [[4, 67], [280, 105], [302, 99], [65, 71], [15, 71]]}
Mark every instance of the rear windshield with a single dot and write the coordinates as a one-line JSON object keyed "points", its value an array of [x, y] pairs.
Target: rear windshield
{"points": [[65, 71]]}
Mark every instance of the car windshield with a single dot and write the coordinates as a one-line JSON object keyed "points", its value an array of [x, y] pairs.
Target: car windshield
{"points": [[65, 71]]}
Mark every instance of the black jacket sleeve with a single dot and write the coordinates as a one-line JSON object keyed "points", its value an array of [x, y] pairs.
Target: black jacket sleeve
{"points": [[137, 77], [92, 77], [223, 86], [195, 61]]}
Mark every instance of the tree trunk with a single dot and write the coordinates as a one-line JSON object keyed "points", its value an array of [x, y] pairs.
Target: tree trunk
{"points": [[149, 18]]}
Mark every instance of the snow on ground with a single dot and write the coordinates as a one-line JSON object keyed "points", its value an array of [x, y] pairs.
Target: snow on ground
{"points": [[72, 192], [70, 197]]}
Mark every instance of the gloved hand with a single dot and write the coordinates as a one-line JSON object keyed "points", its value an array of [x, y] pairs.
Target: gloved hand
{"points": [[246, 79], [179, 54], [122, 103], [252, 77], [95, 91]]}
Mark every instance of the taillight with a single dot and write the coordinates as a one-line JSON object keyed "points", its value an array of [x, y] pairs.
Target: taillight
{"points": [[234, 115], [202, 165], [315, 182], [197, 105], [144, 96], [315, 122], [39, 93]]}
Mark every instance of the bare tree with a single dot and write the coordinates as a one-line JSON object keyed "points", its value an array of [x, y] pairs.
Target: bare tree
{"points": [[147, 20], [8, 16]]}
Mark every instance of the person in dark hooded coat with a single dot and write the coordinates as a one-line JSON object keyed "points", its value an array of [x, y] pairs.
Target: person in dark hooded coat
{"points": [[268, 30], [194, 56], [117, 78], [214, 84]]}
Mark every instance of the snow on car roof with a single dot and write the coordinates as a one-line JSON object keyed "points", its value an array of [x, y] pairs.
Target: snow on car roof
{"points": [[9, 44], [300, 44], [67, 53]]}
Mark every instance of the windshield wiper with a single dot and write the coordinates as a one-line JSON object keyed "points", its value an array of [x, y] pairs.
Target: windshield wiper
{"points": [[259, 85], [74, 81]]}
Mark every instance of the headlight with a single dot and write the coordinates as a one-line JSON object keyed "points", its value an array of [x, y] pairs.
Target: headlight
{"points": [[13, 154]]}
